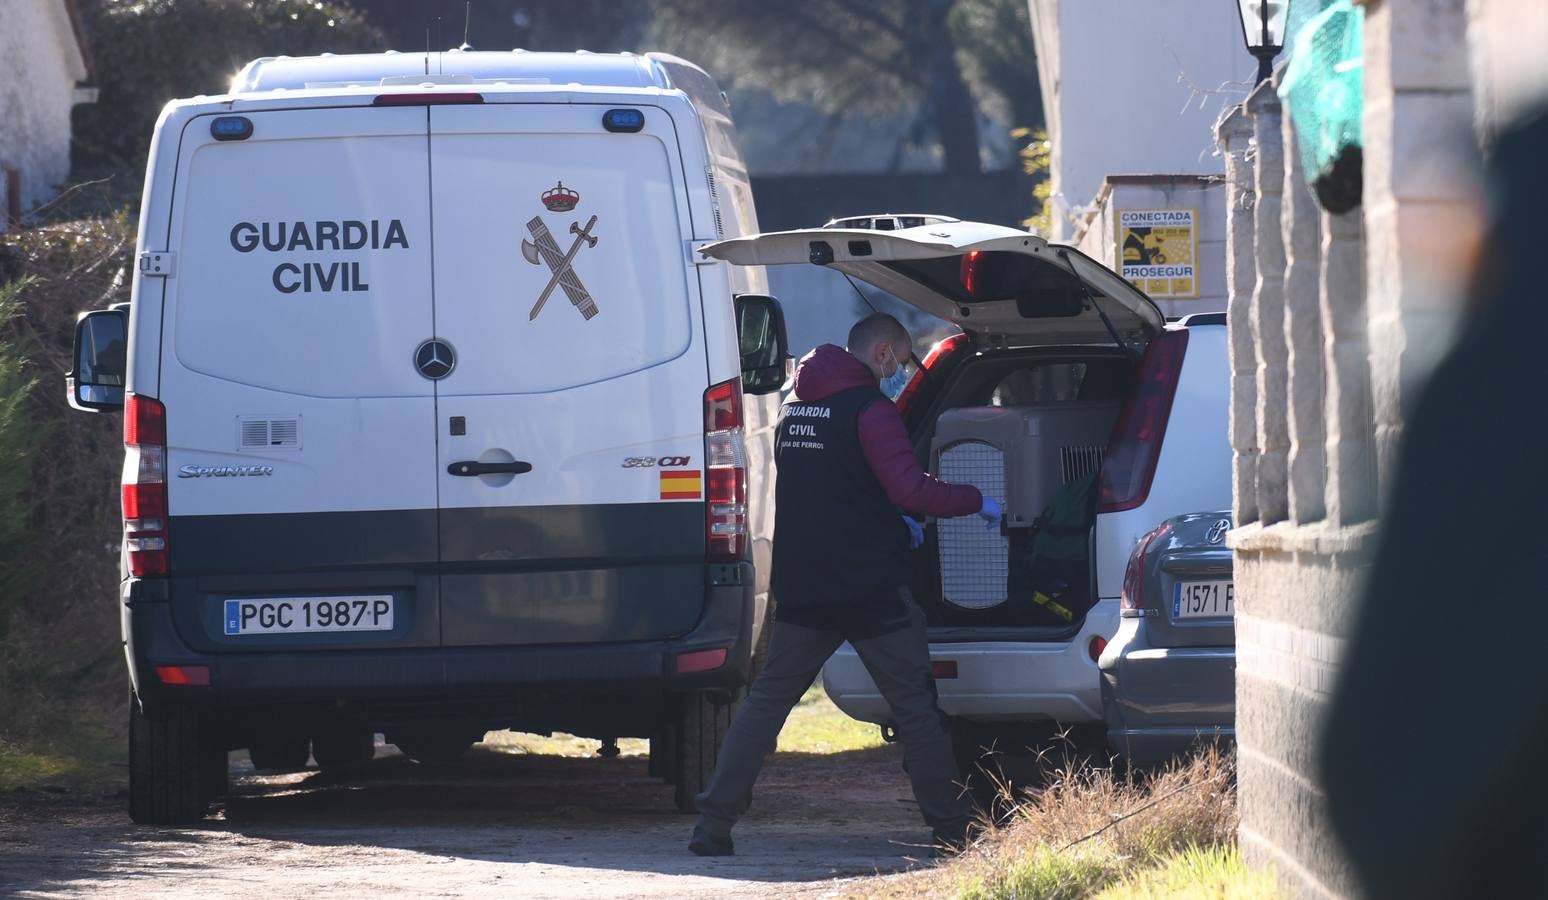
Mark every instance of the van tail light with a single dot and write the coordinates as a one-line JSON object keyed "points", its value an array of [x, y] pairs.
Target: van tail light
{"points": [[1129, 465], [941, 350], [1134, 598], [427, 98], [725, 461], [145, 486]]}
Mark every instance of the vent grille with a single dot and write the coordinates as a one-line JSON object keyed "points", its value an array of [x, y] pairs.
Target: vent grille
{"points": [[264, 433], [714, 191], [974, 559], [1077, 462]]}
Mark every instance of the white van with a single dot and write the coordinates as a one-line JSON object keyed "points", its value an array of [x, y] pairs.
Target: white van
{"points": [[435, 421]]}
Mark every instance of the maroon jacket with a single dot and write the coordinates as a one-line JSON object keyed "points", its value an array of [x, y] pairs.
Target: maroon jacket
{"points": [[828, 370]]}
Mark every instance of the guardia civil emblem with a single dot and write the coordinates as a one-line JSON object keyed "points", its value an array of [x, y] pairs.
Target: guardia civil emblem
{"points": [[544, 250]]}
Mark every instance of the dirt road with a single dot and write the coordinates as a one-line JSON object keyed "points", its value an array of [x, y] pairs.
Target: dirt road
{"points": [[494, 824]]}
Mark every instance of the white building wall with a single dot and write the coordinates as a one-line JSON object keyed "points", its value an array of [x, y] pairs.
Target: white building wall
{"points": [[1134, 87], [40, 65]]}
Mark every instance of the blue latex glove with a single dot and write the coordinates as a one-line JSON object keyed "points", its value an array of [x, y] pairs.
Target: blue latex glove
{"points": [[991, 512], [915, 532]]}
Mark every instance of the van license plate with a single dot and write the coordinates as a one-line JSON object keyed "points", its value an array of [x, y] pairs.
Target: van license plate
{"points": [[1203, 599], [300, 615]]}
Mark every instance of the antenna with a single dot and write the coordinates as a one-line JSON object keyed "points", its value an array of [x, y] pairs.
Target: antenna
{"points": [[467, 26], [441, 70], [427, 49]]}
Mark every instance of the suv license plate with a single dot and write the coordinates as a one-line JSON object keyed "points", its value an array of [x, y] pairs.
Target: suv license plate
{"points": [[1204, 599], [300, 615]]}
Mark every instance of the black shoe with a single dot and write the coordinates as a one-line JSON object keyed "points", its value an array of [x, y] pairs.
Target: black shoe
{"points": [[949, 842], [704, 844]]}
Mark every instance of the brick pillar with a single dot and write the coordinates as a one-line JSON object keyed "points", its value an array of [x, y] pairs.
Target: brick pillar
{"points": [[1418, 111], [1268, 309], [1302, 233], [1234, 137]]}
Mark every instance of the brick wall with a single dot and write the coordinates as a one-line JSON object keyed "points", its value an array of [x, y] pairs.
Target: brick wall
{"points": [[1334, 322]]}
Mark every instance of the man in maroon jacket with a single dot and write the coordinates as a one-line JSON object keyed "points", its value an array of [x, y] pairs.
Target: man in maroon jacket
{"points": [[845, 469]]}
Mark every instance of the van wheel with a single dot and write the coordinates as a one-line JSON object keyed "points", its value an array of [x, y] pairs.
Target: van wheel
{"points": [[280, 754], [169, 765], [215, 770], [335, 747], [701, 726]]}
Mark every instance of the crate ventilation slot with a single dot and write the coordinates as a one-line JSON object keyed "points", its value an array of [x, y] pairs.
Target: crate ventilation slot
{"points": [[1076, 463]]}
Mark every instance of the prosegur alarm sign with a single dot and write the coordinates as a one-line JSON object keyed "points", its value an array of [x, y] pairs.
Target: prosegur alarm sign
{"points": [[1158, 251]]}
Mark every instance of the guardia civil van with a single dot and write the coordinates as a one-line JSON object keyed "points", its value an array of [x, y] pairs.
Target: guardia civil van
{"points": [[435, 422]]}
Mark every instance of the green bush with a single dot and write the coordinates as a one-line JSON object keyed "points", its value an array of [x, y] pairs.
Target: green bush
{"points": [[61, 661], [148, 52]]}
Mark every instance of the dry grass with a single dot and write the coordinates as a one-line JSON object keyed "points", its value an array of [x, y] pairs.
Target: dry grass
{"points": [[1087, 831]]}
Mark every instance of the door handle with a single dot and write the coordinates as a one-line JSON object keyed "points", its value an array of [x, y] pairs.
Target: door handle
{"points": [[470, 467]]}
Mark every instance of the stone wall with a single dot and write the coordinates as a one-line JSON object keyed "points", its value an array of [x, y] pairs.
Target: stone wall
{"points": [[1334, 321]]}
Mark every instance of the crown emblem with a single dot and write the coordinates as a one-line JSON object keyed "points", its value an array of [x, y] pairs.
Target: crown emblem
{"points": [[560, 198]]}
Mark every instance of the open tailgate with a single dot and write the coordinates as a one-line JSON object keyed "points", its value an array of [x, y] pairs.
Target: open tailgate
{"points": [[1004, 286]]}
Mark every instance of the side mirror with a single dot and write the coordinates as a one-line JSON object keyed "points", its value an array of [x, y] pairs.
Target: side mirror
{"points": [[100, 360], [765, 349]]}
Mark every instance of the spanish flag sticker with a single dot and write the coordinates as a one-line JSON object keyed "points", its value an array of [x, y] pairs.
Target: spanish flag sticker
{"points": [[681, 484]]}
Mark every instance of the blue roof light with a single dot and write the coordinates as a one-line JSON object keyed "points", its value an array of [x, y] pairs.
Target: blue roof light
{"points": [[626, 121], [231, 128]]}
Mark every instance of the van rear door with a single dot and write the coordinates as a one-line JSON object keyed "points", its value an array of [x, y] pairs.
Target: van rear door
{"points": [[301, 440], [1005, 287], [571, 429]]}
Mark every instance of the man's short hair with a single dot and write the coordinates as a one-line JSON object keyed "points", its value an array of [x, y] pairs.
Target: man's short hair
{"points": [[875, 328]]}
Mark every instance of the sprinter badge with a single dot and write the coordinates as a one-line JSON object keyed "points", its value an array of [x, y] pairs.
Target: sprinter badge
{"points": [[544, 249]]}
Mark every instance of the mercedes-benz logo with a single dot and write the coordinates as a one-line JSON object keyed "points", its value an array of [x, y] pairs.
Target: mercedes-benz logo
{"points": [[435, 359]]}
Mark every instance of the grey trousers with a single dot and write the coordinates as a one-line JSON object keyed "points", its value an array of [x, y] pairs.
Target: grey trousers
{"points": [[899, 662]]}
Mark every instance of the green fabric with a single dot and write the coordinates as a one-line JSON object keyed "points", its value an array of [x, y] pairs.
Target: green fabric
{"points": [[1323, 85], [1063, 527]]}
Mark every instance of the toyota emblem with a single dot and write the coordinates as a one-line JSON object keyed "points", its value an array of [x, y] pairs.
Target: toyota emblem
{"points": [[435, 359]]}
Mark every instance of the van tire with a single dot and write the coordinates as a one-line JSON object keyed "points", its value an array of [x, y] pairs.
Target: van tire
{"points": [[169, 765], [701, 726], [215, 768], [284, 753]]}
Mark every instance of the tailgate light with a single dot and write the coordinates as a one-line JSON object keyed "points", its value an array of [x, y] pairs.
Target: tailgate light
{"points": [[943, 668], [700, 661], [184, 675], [1129, 466], [1133, 599], [969, 271], [426, 98], [942, 349], [725, 460], [144, 486]]}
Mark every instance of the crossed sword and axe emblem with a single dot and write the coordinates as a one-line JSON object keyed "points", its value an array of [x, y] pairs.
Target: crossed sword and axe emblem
{"points": [[543, 249]]}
